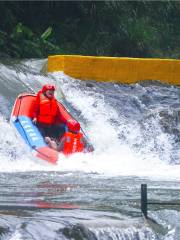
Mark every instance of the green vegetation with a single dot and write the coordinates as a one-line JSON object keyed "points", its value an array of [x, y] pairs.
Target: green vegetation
{"points": [[36, 29]]}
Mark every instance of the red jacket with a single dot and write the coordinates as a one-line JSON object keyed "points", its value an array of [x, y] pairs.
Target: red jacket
{"points": [[72, 142], [46, 110]]}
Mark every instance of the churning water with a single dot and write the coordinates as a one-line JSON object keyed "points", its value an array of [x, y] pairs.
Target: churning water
{"points": [[135, 130]]}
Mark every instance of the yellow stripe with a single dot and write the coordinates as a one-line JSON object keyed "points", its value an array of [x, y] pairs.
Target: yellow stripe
{"points": [[113, 69]]}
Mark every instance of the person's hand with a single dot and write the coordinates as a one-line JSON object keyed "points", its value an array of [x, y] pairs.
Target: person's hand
{"points": [[34, 120], [90, 148]]}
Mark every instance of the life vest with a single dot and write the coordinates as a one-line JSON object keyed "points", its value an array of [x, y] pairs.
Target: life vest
{"points": [[47, 110], [73, 142]]}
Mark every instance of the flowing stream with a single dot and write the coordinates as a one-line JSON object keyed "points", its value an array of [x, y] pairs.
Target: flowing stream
{"points": [[135, 130]]}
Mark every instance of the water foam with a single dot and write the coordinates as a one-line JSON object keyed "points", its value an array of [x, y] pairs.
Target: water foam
{"points": [[113, 154]]}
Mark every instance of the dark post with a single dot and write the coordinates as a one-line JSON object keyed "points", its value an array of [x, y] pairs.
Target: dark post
{"points": [[144, 199]]}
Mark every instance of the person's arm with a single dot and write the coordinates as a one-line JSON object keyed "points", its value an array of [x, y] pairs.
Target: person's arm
{"points": [[60, 117]]}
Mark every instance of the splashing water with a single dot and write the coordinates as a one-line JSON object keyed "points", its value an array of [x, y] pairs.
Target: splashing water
{"points": [[111, 116]]}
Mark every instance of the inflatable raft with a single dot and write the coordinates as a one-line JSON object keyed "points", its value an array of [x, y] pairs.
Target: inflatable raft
{"points": [[21, 119]]}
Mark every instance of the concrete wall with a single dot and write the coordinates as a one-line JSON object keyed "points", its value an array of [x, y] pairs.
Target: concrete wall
{"points": [[112, 69]]}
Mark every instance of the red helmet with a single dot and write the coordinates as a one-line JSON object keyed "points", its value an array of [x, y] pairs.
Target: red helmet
{"points": [[73, 125], [48, 87]]}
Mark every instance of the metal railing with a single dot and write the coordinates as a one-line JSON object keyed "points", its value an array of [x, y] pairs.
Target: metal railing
{"points": [[145, 202]]}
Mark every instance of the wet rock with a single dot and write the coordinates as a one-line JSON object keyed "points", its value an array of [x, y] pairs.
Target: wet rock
{"points": [[89, 85], [146, 83], [78, 232], [4, 230]]}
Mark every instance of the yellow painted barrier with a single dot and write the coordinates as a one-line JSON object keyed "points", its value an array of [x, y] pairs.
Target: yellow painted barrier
{"points": [[114, 69]]}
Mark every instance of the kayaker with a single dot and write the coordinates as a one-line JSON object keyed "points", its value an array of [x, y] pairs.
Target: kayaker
{"points": [[46, 112], [72, 141]]}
